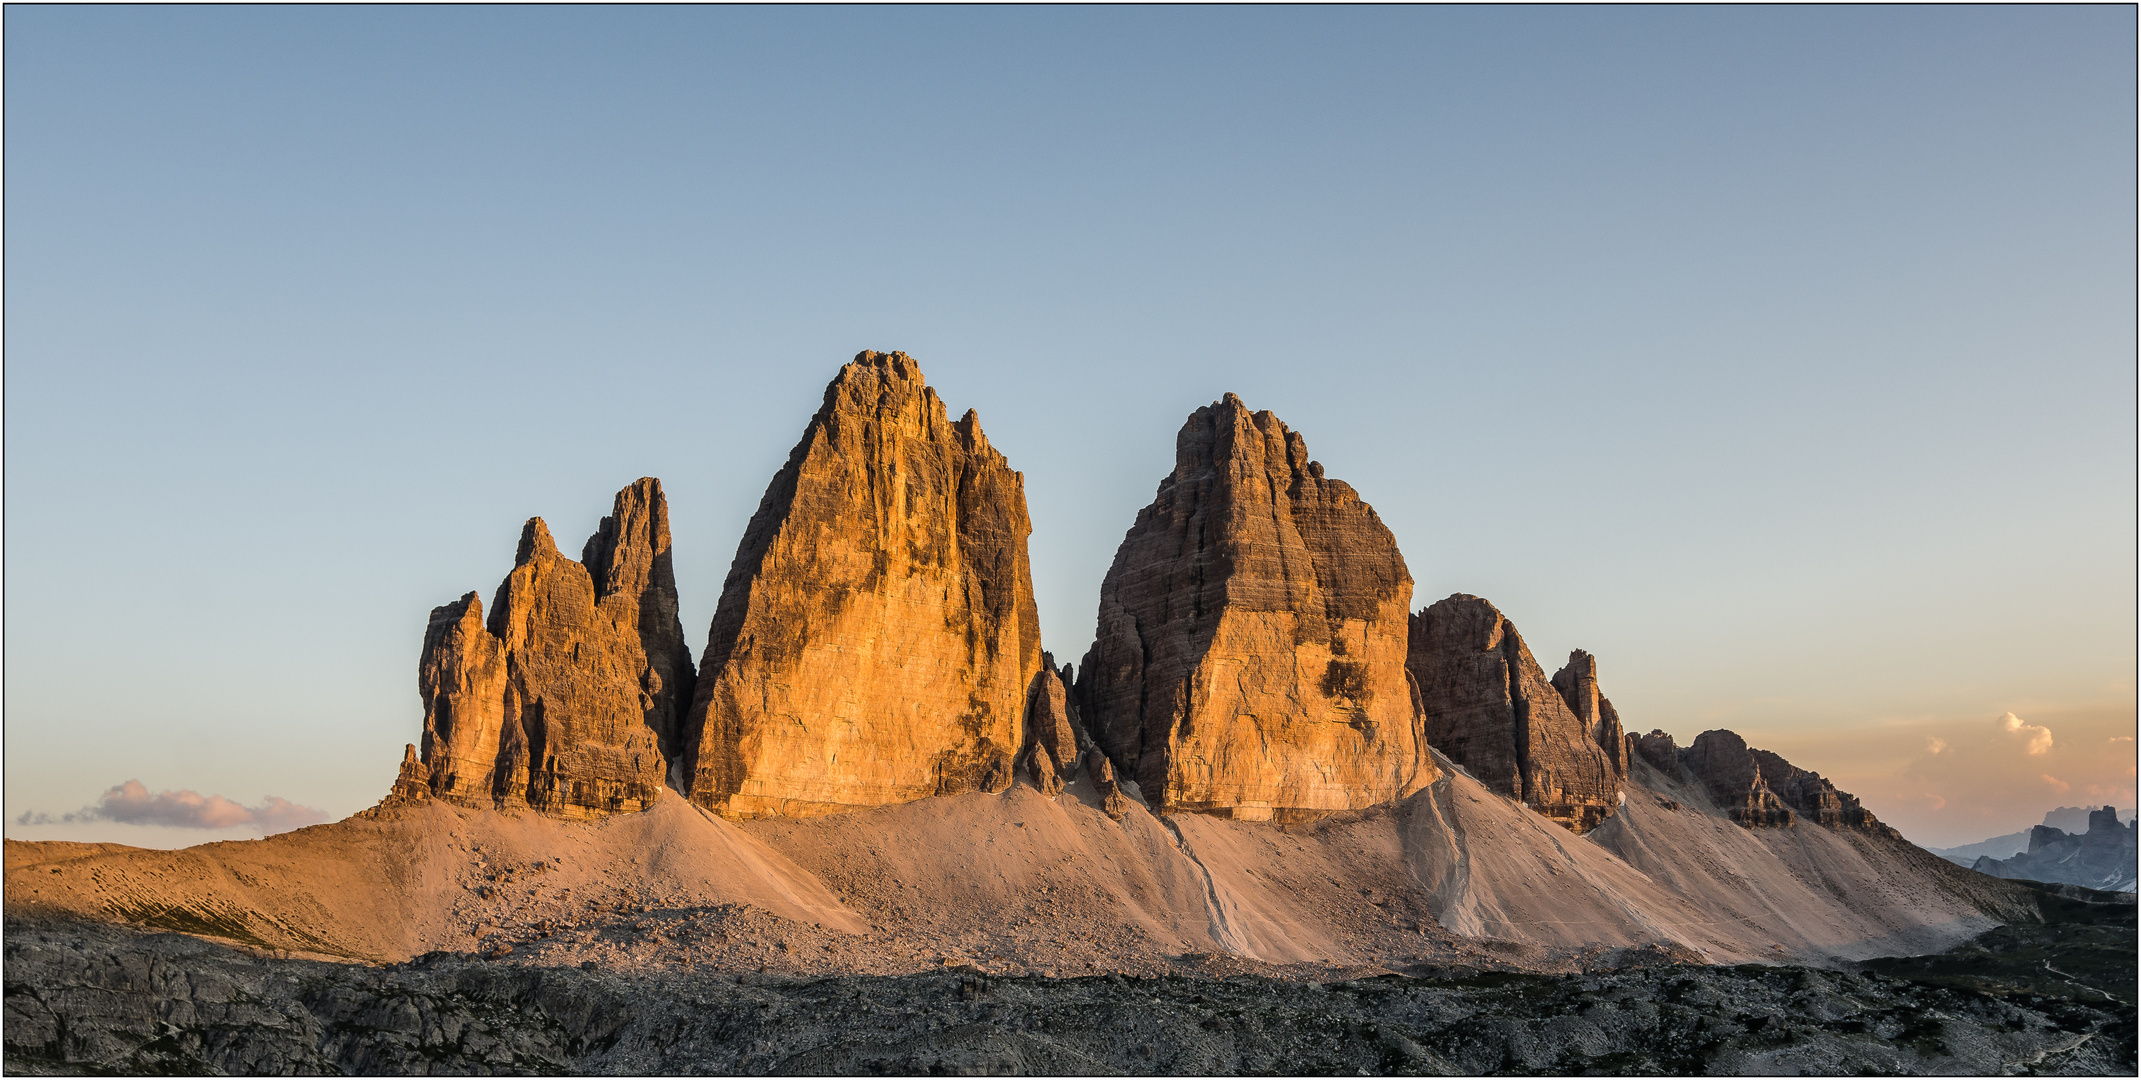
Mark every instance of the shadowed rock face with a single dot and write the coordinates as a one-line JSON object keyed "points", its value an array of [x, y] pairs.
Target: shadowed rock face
{"points": [[2101, 858], [1656, 748], [1489, 706], [1760, 789], [1577, 683], [1810, 796], [1732, 776], [558, 700], [1050, 723], [876, 640], [1249, 657]]}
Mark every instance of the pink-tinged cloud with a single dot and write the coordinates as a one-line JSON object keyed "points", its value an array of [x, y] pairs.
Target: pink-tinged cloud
{"points": [[1956, 781], [132, 804], [2038, 739]]}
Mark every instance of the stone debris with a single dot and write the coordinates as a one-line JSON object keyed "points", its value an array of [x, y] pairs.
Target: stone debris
{"points": [[111, 1001]]}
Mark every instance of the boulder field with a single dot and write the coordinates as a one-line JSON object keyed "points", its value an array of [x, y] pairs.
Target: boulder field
{"points": [[1266, 759]]}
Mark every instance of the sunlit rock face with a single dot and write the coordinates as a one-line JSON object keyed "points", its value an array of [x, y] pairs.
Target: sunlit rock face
{"points": [[876, 639], [636, 601], [462, 679], [559, 700], [1489, 706], [1249, 659]]}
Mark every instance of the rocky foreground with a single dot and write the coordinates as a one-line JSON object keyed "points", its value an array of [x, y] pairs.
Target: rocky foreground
{"points": [[2051, 999]]}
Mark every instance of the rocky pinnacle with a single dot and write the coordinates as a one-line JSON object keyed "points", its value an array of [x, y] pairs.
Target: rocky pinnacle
{"points": [[1491, 708], [876, 640], [1250, 647], [558, 700]]}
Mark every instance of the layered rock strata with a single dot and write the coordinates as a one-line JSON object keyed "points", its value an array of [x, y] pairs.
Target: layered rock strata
{"points": [[1489, 706], [628, 559], [876, 640], [1249, 655], [1811, 796], [559, 699]]}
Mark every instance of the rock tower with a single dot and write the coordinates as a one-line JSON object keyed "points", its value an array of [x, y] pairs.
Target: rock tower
{"points": [[1249, 659], [1556, 745], [561, 699], [876, 639], [1759, 789]]}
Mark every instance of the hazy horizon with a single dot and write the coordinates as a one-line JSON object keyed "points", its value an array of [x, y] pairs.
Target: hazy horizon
{"points": [[1782, 358]]}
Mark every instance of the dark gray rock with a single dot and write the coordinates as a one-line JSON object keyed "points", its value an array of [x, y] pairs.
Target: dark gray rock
{"points": [[101, 999], [2102, 858]]}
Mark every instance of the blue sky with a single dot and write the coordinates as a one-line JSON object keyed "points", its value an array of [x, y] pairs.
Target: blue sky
{"points": [[1782, 357]]}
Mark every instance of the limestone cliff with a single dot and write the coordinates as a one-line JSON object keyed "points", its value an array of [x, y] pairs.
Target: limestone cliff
{"points": [[1577, 683], [1759, 789], [1733, 777], [876, 640], [635, 589], [1249, 654], [462, 679], [1489, 705], [1811, 796], [1656, 748], [558, 701]]}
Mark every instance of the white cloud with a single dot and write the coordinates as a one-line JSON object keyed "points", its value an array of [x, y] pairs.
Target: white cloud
{"points": [[2040, 738], [1935, 746], [132, 804]]}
